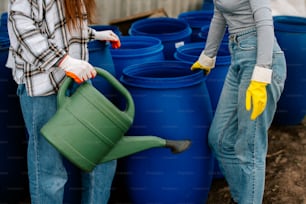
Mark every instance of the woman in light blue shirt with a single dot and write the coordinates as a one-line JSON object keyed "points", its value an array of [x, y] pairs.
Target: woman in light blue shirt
{"points": [[238, 134]]}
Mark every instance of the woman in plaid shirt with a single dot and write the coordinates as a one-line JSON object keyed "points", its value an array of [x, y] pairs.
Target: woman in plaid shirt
{"points": [[49, 42]]}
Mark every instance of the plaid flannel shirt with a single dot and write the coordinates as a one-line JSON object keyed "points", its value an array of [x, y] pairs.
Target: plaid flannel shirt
{"points": [[39, 38]]}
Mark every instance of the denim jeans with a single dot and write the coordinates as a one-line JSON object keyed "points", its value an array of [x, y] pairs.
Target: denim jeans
{"points": [[46, 171], [239, 143]]}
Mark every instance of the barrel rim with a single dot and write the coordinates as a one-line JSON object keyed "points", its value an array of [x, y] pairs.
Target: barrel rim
{"points": [[155, 46], [148, 22], [197, 18], [294, 24], [128, 76], [220, 59]]}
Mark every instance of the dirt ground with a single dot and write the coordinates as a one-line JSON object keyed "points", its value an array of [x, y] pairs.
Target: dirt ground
{"points": [[285, 171]]}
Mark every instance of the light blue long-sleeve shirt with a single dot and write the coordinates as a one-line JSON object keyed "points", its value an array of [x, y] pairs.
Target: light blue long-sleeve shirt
{"points": [[238, 16]]}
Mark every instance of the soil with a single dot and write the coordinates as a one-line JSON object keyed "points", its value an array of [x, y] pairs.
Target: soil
{"points": [[285, 171]]}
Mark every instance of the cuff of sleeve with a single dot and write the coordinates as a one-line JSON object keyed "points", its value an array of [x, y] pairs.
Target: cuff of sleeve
{"points": [[261, 74], [206, 61], [93, 34]]}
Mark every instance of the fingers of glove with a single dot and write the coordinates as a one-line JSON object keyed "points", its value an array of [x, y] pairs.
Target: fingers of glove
{"points": [[93, 73], [113, 36], [107, 35], [116, 44], [88, 71], [255, 103], [74, 77], [197, 65], [80, 71], [88, 75], [248, 100], [78, 78], [258, 108]]}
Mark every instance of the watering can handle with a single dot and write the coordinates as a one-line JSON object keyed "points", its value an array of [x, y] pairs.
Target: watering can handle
{"points": [[130, 109]]}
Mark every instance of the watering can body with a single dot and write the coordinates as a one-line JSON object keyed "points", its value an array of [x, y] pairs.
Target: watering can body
{"points": [[88, 129]]}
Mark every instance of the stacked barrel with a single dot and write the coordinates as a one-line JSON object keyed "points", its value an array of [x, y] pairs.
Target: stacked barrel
{"points": [[13, 143], [171, 101]]}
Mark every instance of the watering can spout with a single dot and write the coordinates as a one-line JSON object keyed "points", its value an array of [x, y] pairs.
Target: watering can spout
{"points": [[132, 144]]}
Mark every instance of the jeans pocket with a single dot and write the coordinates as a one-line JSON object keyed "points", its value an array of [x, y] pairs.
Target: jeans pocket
{"points": [[247, 42], [279, 67], [20, 89]]}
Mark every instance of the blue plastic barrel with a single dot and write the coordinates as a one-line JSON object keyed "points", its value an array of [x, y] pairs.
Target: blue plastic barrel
{"points": [[13, 145], [136, 49], [204, 32], [100, 56], [172, 32], [208, 5], [196, 20], [171, 102], [190, 53], [215, 80], [290, 32], [3, 22]]}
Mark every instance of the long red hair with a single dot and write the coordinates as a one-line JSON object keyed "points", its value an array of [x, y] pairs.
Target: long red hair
{"points": [[74, 11]]}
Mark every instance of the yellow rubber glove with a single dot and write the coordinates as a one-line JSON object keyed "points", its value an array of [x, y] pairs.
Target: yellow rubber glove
{"points": [[256, 98], [205, 63], [256, 94], [197, 65]]}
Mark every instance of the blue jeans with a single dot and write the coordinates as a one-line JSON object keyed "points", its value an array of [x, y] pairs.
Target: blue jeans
{"points": [[239, 143], [46, 171]]}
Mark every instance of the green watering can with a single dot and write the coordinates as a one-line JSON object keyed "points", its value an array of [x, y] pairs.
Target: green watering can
{"points": [[88, 129]]}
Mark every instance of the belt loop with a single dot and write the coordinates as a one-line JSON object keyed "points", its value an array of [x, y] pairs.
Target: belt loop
{"points": [[233, 37]]}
